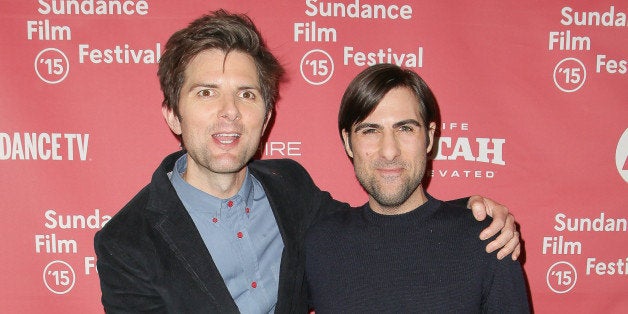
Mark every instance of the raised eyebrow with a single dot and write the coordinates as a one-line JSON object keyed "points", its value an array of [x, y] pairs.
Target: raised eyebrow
{"points": [[210, 85], [408, 121], [203, 85], [249, 87]]}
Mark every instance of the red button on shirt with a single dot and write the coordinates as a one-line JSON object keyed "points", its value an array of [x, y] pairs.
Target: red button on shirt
{"points": [[240, 235], [215, 220], [254, 284], [247, 210], [230, 203]]}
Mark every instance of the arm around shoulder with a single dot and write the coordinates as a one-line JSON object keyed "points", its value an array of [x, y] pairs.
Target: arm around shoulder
{"points": [[295, 179], [503, 224]]}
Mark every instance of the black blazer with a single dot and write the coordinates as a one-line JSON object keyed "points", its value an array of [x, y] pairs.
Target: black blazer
{"points": [[151, 257]]}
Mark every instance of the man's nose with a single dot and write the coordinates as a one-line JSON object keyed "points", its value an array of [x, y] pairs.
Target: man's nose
{"points": [[229, 110], [389, 146]]}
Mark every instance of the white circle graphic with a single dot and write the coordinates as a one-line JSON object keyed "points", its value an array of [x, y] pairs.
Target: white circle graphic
{"points": [[574, 72], [621, 156], [561, 277], [61, 275], [57, 69], [321, 64]]}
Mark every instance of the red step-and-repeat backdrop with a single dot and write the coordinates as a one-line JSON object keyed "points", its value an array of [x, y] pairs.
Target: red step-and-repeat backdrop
{"points": [[533, 97]]}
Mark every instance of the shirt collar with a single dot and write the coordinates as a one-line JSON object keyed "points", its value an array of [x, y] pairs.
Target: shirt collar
{"points": [[200, 201]]}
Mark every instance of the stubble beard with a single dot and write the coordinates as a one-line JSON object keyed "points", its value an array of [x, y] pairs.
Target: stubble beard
{"points": [[222, 165], [376, 189]]}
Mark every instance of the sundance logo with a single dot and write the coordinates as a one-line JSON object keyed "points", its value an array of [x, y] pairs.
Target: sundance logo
{"points": [[621, 156]]}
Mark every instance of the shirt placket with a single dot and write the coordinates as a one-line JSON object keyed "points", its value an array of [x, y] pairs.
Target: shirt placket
{"points": [[243, 243]]}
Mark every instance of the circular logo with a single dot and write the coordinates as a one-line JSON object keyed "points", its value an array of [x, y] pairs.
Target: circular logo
{"points": [[561, 277], [569, 75], [52, 65], [59, 277], [317, 67], [621, 156]]}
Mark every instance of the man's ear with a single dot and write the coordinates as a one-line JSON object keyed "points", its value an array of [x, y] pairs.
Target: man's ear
{"points": [[347, 143], [172, 119], [430, 133]]}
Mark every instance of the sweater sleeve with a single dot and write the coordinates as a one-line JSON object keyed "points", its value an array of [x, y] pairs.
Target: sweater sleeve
{"points": [[324, 203], [505, 290]]}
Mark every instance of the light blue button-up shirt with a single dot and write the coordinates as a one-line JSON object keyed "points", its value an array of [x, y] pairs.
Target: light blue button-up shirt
{"points": [[242, 237]]}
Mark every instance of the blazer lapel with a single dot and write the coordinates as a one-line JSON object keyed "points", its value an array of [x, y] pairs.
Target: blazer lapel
{"points": [[179, 231], [174, 224]]}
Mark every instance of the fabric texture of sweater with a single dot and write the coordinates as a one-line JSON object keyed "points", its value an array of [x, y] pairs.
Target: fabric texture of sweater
{"points": [[429, 260]]}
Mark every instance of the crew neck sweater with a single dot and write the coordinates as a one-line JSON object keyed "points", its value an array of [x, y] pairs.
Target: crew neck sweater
{"points": [[429, 260]]}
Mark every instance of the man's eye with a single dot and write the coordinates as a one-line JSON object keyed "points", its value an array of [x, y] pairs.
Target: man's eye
{"points": [[368, 131], [406, 128], [205, 93], [247, 94]]}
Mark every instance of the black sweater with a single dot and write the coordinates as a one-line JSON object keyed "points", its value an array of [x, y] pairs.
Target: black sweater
{"points": [[429, 260]]}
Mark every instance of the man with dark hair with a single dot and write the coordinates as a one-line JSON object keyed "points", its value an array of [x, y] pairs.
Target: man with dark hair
{"points": [[403, 251], [214, 232]]}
